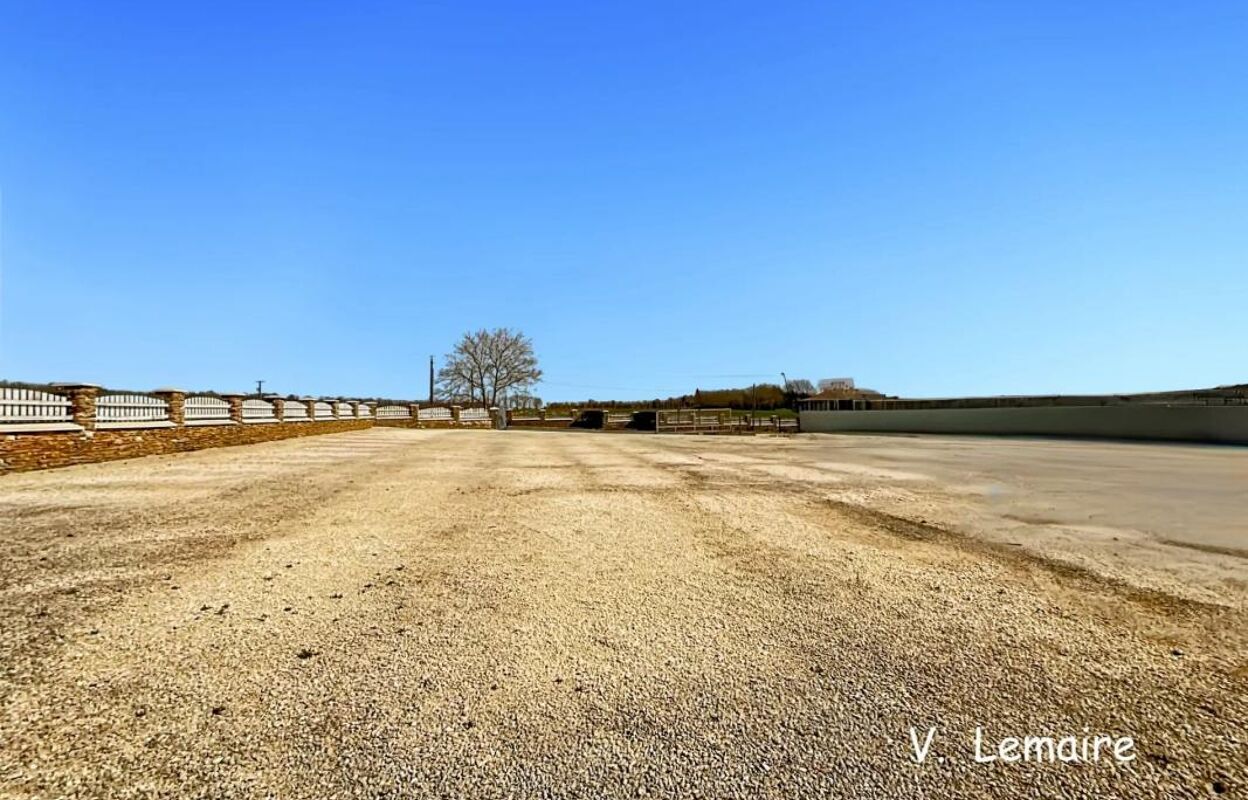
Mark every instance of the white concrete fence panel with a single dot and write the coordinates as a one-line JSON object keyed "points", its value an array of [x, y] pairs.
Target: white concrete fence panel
{"points": [[131, 410], [257, 410], [206, 410], [396, 412], [33, 407], [295, 411]]}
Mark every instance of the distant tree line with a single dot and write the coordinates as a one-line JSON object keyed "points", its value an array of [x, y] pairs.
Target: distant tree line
{"points": [[764, 397]]}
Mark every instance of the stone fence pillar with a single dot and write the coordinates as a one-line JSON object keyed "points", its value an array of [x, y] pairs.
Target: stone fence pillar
{"points": [[82, 397], [279, 409], [355, 409], [414, 410], [455, 410], [176, 398], [236, 407]]}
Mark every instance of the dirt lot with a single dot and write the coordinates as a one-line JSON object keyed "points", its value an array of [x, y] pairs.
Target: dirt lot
{"points": [[482, 614]]}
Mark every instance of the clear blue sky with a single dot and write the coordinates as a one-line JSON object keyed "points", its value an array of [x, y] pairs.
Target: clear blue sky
{"points": [[933, 198]]}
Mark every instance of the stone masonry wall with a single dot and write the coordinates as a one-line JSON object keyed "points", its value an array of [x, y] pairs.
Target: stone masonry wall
{"points": [[432, 423], [26, 447], [27, 451]]}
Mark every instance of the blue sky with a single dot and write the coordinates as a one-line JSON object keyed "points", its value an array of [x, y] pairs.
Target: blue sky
{"points": [[933, 198]]}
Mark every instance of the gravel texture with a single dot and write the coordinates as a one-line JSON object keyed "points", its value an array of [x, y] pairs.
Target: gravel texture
{"points": [[481, 614]]}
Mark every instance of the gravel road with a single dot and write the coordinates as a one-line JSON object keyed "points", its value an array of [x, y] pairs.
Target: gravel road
{"points": [[481, 614]]}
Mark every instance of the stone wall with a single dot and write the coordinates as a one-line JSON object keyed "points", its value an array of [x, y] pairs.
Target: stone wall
{"points": [[78, 437], [27, 451], [414, 420], [540, 419], [431, 423]]}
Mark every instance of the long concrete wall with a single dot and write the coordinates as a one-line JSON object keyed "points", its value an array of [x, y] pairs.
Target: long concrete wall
{"points": [[1223, 424]]}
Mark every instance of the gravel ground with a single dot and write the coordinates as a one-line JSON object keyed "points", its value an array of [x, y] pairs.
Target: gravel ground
{"points": [[477, 614]]}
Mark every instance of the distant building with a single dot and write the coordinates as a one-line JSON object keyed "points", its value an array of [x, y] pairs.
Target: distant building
{"points": [[836, 384]]}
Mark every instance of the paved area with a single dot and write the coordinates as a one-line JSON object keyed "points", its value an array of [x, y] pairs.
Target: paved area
{"points": [[483, 614]]}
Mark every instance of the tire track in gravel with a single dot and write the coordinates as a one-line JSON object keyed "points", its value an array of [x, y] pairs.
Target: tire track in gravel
{"points": [[1053, 646], [95, 687], [59, 567]]}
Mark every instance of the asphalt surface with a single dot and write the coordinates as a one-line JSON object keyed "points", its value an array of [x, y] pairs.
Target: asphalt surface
{"points": [[483, 614]]}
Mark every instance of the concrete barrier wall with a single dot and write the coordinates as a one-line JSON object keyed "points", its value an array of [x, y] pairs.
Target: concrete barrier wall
{"points": [[1222, 424]]}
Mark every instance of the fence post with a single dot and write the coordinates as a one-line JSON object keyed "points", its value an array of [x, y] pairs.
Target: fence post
{"points": [[279, 409], [355, 408], [176, 398], [414, 410], [541, 414], [455, 414], [82, 398], [236, 407]]}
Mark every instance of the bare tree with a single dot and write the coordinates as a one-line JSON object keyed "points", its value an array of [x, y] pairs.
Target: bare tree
{"points": [[487, 364], [524, 400], [801, 387]]}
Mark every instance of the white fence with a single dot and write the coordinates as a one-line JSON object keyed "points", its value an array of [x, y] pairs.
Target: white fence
{"points": [[257, 410], [396, 412], [33, 410], [32, 407], [690, 420], [295, 411], [119, 410], [205, 410]]}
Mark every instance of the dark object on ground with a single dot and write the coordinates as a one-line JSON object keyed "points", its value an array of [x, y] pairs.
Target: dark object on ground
{"points": [[591, 418], [643, 421]]}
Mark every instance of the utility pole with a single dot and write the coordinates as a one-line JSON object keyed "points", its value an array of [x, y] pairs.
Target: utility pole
{"points": [[430, 380], [259, 387]]}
